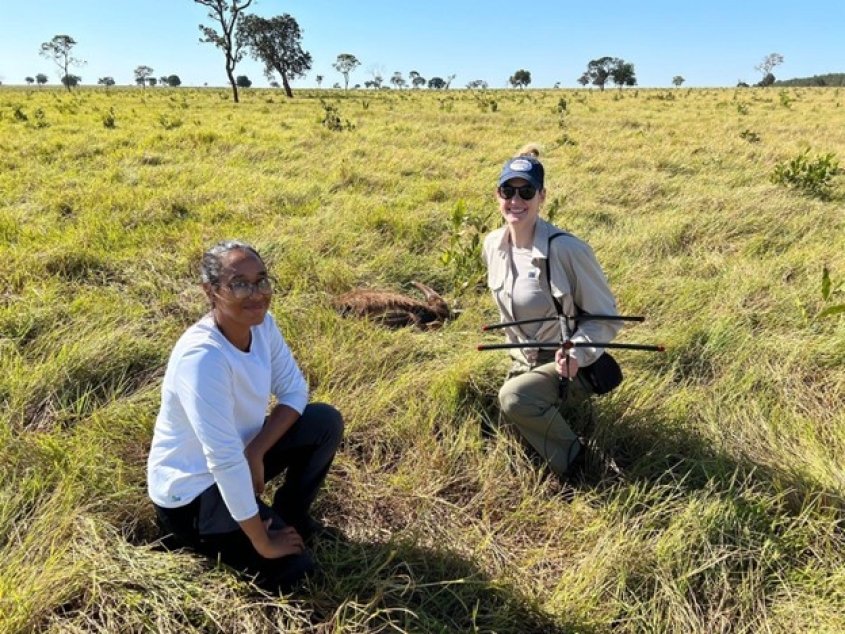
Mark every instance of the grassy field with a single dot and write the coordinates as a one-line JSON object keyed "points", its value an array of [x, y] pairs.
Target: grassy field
{"points": [[728, 516]]}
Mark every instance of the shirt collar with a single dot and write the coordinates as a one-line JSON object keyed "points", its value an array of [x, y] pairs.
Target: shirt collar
{"points": [[542, 231]]}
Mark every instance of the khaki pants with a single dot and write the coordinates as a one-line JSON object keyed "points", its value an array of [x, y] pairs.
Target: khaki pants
{"points": [[531, 399]]}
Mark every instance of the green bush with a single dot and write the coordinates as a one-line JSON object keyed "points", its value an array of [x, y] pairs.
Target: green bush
{"points": [[463, 254], [332, 119], [169, 123], [109, 119], [750, 136], [827, 295], [813, 177]]}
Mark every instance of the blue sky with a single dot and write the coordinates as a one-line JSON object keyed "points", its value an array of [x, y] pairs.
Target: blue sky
{"points": [[709, 43]]}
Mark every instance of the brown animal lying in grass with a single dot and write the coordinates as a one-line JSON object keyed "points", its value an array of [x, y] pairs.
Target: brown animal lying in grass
{"points": [[394, 310]]}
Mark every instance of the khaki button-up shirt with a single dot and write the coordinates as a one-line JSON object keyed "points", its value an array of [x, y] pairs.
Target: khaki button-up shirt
{"points": [[576, 280]]}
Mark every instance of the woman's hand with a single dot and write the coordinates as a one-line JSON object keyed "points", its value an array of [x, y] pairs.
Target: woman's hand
{"points": [[281, 543], [269, 543], [567, 365]]}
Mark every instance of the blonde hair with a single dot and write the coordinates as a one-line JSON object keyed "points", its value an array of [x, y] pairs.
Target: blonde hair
{"points": [[530, 149]]}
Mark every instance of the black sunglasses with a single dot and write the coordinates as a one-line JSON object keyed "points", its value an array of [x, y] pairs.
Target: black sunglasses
{"points": [[526, 192]]}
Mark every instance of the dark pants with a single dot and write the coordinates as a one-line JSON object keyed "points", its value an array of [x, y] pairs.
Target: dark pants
{"points": [[305, 453]]}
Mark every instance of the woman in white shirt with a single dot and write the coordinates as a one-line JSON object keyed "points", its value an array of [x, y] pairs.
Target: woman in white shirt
{"points": [[531, 264], [214, 447]]}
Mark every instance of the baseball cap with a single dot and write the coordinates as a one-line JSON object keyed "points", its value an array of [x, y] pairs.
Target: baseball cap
{"points": [[526, 167]]}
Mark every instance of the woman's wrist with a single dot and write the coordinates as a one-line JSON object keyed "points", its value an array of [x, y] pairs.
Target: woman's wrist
{"points": [[257, 533]]}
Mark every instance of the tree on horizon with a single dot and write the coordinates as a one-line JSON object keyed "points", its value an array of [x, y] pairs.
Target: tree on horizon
{"points": [[520, 79], [767, 66], [276, 42], [604, 68], [229, 17], [60, 49], [142, 75], [345, 64]]}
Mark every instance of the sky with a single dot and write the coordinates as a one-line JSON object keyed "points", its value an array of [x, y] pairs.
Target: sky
{"points": [[710, 43]]}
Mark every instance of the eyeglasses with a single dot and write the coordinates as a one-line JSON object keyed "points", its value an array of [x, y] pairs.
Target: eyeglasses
{"points": [[242, 289], [526, 192]]}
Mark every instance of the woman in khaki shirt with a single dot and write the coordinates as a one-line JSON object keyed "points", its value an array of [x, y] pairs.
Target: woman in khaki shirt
{"points": [[516, 258]]}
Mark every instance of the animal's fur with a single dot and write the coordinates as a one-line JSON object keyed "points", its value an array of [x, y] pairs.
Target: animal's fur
{"points": [[395, 310]]}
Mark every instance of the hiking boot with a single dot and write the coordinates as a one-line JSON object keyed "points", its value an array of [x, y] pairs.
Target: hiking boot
{"points": [[578, 463]]}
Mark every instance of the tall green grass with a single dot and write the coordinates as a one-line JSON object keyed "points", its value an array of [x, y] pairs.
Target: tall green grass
{"points": [[728, 513]]}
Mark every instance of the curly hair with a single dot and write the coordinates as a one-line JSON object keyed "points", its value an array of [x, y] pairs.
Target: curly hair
{"points": [[211, 266]]}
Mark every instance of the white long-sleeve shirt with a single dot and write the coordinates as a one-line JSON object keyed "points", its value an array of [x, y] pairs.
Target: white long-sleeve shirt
{"points": [[214, 398]]}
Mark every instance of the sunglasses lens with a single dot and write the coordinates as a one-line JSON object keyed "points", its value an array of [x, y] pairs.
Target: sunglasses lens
{"points": [[527, 192]]}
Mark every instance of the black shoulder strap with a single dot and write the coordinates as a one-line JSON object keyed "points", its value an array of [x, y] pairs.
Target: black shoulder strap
{"points": [[558, 305]]}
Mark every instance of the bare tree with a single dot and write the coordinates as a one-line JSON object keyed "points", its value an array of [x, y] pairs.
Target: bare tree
{"points": [[768, 63], [59, 50], [377, 72], [228, 16], [766, 67]]}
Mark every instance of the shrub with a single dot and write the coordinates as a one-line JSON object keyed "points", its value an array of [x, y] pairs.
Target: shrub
{"points": [[40, 120], [813, 177], [750, 136], [332, 120], [169, 123], [486, 103], [827, 295], [109, 120], [463, 254]]}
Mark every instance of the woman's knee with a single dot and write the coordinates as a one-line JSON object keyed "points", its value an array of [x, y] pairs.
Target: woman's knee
{"points": [[517, 405], [328, 418]]}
